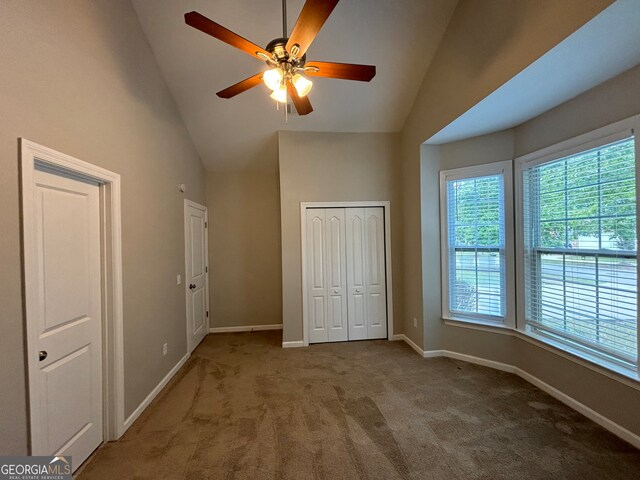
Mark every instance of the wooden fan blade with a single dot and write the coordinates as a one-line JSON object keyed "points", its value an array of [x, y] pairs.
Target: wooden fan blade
{"points": [[312, 17], [302, 104], [345, 71], [202, 23], [240, 87]]}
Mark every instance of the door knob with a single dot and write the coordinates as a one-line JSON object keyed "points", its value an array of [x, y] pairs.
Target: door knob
{"points": [[357, 290], [192, 286], [335, 291], [42, 355]]}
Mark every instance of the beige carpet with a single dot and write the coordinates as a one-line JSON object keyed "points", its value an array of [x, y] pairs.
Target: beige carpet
{"points": [[244, 408]]}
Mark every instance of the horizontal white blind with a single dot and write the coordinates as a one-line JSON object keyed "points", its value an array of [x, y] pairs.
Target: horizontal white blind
{"points": [[475, 223], [581, 250]]}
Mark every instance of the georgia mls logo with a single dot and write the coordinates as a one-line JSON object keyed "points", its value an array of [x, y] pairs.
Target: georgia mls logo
{"points": [[35, 468], [61, 462]]}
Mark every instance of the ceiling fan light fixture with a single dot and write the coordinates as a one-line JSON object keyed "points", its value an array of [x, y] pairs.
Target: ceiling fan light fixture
{"points": [[273, 78], [280, 94], [303, 85], [286, 56]]}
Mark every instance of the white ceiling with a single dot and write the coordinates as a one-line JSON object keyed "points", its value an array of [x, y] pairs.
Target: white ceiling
{"points": [[398, 36], [604, 47]]}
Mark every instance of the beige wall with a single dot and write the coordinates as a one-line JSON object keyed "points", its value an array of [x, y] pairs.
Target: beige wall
{"points": [[244, 247], [612, 101], [496, 147], [332, 167], [485, 45], [79, 77]]}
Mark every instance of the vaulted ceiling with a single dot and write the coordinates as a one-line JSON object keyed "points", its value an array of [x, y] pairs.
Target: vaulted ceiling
{"points": [[399, 37], [604, 47]]}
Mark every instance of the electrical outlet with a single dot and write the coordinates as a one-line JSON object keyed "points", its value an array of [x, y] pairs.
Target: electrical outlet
{"points": [[164, 349], [179, 279], [415, 322]]}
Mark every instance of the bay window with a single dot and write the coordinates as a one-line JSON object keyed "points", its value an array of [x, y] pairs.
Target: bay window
{"points": [[575, 251], [477, 240], [578, 251]]}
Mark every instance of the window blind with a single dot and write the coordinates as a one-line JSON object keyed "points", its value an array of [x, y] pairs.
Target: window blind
{"points": [[580, 250], [476, 249]]}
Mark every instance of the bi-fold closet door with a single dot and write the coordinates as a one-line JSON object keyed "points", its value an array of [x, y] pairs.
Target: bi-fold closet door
{"points": [[346, 281]]}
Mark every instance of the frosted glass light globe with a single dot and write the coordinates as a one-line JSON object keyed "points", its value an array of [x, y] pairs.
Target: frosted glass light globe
{"points": [[280, 94], [302, 84], [272, 78]]}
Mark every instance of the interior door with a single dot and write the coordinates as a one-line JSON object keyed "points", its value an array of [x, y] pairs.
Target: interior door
{"points": [[326, 275], [375, 279], [67, 393], [196, 281], [316, 275], [356, 273], [338, 328]]}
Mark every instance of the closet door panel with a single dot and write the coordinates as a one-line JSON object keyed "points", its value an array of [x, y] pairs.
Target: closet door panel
{"points": [[356, 273], [336, 275], [375, 273], [316, 275]]}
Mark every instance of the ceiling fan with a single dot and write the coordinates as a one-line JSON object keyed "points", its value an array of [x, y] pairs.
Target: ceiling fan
{"points": [[286, 56]]}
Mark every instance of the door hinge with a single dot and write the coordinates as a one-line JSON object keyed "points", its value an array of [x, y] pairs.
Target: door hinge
{"points": [[205, 225], [206, 269], [207, 313]]}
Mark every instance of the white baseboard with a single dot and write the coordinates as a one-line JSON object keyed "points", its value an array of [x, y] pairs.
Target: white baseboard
{"points": [[588, 412], [158, 388], [408, 341], [571, 402], [480, 361], [245, 328], [297, 344]]}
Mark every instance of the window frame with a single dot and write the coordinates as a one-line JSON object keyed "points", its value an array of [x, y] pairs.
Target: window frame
{"points": [[594, 139], [504, 168]]}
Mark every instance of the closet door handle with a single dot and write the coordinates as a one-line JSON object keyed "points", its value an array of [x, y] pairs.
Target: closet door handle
{"points": [[357, 290], [335, 292]]}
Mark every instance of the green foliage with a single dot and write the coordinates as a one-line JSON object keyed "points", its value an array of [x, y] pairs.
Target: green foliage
{"points": [[589, 195], [476, 206]]}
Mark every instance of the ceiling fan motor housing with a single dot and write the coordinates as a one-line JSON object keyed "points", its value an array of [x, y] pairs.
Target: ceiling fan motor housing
{"points": [[278, 48]]}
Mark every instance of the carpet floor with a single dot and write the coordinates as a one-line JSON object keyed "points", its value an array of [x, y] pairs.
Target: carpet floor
{"points": [[244, 408]]}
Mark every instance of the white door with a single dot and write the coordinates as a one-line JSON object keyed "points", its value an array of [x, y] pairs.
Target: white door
{"points": [[316, 275], [326, 275], [356, 273], [196, 281], [66, 327], [338, 330], [345, 274], [375, 277]]}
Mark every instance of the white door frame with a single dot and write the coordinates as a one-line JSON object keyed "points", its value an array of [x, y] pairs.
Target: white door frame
{"points": [[387, 242], [33, 155], [190, 203]]}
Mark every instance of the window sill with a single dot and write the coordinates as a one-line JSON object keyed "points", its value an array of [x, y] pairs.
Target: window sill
{"points": [[478, 324]]}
